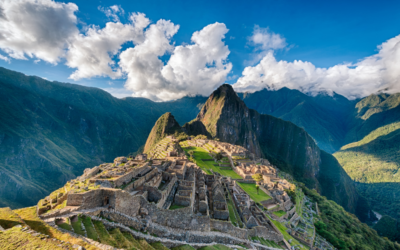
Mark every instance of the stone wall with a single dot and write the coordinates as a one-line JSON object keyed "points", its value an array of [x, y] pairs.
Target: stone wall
{"points": [[139, 182], [182, 218], [263, 232], [227, 227], [129, 204]]}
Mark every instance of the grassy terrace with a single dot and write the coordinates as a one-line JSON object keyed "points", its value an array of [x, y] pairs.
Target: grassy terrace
{"points": [[29, 216], [287, 236], [279, 213], [265, 242], [233, 213], [15, 238], [8, 218], [207, 166], [299, 202], [250, 189]]}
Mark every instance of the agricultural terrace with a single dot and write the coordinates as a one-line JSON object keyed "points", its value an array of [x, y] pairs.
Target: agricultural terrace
{"points": [[250, 189], [206, 162]]}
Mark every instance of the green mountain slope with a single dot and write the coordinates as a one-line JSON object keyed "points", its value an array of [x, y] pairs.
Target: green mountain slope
{"points": [[50, 132], [286, 145], [322, 116], [165, 125]]}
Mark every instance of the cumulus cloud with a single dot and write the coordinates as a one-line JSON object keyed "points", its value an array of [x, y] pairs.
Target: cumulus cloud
{"points": [[192, 69], [112, 12], [263, 39], [379, 72], [91, 53], [41, 28]]}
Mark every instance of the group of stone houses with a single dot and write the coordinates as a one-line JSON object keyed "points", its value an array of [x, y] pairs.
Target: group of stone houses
{"points": [[173, 192]]}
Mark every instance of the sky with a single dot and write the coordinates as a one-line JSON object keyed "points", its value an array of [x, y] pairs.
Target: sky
{"points": [[164, 50]]}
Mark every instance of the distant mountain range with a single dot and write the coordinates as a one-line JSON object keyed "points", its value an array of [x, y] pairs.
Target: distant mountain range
{"points": [[50, 132]]}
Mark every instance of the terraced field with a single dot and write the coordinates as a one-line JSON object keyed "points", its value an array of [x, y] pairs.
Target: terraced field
{"points": [[201, 156]]}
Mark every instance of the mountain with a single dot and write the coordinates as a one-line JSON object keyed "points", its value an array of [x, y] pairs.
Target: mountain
{"points": [[372, 155], [324, 117], [50, 132], [165, 125], [283, 143]]}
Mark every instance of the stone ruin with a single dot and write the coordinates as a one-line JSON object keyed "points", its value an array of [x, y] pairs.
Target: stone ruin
{"points": [[146, 189]]}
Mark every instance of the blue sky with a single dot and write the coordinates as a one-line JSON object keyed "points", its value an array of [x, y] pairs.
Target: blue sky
{"points": [[324, 33]]}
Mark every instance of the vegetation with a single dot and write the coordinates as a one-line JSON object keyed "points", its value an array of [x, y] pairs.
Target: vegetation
{"points": [[15, 238], [62, 142], [165, 125], [257, 177], [91, 232], [344, 230], [279, 213], [265, 242], [183, 247], [174, 206], [200, 154], [9, 219], [77, 225], [30, 218], [250, 189]]}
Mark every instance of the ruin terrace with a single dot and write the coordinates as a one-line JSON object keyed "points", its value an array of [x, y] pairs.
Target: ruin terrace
{"points": [[170, 193]]}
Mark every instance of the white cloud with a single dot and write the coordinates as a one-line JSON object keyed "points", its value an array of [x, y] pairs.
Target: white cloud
{"points": [[4, 58], [370, 75], [112, 12], [192, 69], [41, 28], [263, 39], [91, 53]]}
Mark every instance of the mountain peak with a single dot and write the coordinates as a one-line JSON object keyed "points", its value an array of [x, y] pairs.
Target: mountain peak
{"points": [[165, 125]]}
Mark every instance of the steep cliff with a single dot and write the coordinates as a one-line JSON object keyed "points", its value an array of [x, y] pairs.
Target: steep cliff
{"points": [[226, 117], [286, 145]]}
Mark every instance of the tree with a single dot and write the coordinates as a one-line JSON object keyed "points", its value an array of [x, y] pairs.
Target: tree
{"points": [[191, 153], [257, 187], [218, 156], [257, 177]]}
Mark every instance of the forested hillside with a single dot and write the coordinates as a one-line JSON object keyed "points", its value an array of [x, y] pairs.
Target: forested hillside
{"points": [[50, 132]]}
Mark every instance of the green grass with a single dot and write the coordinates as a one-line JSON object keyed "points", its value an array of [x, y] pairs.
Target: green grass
{"points": [[158, 246], [215, 247], [31, 219], [183, 247], [250, 189], [299, 201], [15, 238], [207, 166], [8, 218], [287, 236], [265, 242], [77, 226], [91, 232], [279, 213], [104, 236], [120, 239], [233, 213], [174, 206]]}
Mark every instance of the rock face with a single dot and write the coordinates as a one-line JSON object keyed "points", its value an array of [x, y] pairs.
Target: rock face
{"points": [[284, 144], [165, 125], [226, 117]]}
